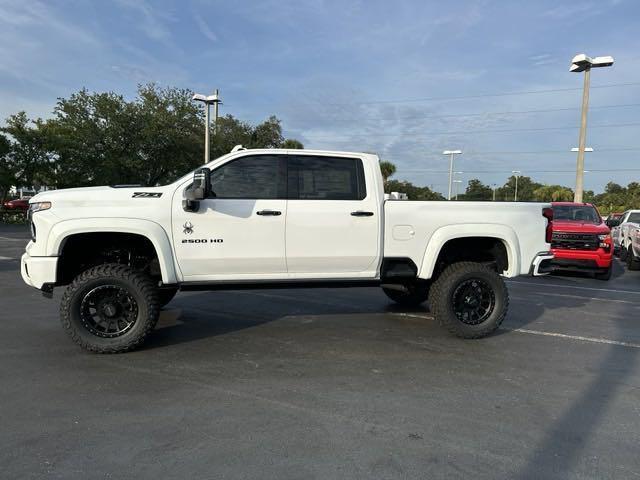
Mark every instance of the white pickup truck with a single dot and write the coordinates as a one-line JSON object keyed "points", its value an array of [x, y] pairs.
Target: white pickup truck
{"points": [[274, 218], [621, 231]]}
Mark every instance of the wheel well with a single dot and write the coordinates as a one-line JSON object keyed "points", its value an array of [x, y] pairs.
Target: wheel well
{"points": [[85, 250], [487, 250]]}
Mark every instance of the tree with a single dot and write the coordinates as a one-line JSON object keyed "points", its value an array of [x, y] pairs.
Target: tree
{"points": [[476, 190], [292, 144], [413, 192], [387, 169], [526, 187], [553, 193], [101, 138], [7, 168]]}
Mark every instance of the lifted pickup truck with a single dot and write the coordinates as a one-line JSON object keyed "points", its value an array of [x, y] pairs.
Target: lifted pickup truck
{"points": [[633, 252], [274, 218]]}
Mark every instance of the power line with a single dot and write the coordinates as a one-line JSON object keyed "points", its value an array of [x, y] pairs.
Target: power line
{"points": [[443, 172], [514, 112], [483, 95], [532, 152], [468, 132]]}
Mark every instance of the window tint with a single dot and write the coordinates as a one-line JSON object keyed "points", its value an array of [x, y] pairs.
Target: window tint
{"points": [[326, 178], [258, 176], [634, 217], [576, 213]]}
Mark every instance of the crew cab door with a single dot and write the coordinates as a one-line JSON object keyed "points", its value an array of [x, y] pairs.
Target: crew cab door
{"points": [[239, 232], [333, 218]]}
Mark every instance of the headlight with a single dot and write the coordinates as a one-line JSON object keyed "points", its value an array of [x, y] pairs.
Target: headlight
{"points": [[39, 206], [604, 237]]}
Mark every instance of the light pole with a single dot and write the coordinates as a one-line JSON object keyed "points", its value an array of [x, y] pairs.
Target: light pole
{"points": [[516, 173], [583, 63], [451, 154], [457, 182], [208, 100], [494, 186]]}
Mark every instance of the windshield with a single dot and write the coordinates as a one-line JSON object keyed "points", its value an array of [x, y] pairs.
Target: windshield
{"points": [[576, 213]]}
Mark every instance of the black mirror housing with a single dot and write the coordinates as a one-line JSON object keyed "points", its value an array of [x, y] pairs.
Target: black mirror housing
{"points": [[199, 190], [612, 222]]}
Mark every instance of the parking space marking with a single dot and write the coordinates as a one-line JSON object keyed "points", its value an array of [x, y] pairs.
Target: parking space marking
{"points": [[558, 285], [7, 258], [14, 239], [605, 341]]}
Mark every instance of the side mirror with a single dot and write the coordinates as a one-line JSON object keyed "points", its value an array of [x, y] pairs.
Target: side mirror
{"points": [[199, 190], [612, 222]]}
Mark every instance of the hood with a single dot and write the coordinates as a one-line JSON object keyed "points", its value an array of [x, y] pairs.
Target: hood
{"points": [[579, 227], [86, 196]]}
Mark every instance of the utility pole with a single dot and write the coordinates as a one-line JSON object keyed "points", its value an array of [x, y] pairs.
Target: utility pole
{"points": [[494, 191], [583, 63], [451, 153]]}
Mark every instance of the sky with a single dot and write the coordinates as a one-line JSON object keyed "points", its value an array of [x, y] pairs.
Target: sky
{"points": [[403, 79]]}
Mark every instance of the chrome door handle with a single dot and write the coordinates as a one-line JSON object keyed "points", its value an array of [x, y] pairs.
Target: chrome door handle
{"points": [[273, 213], [360, 213]]}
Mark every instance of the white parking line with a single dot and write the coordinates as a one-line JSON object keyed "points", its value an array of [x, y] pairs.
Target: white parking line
{"points": [[14, 239], [574, 337], [6, 258], [557, 285]]}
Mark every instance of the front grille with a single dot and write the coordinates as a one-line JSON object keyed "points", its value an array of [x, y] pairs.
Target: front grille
{"points": [[574, 241]]}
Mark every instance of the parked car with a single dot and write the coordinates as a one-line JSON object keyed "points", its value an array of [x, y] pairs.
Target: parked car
{"points": [[620, 231], [20, 204], [581, 241], [274, 218], [633, 252]]}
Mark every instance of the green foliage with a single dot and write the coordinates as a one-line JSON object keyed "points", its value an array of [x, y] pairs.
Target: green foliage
{"points": [[476, 190], [292, 144], [413, 192], [387, 169], [101, 138]]}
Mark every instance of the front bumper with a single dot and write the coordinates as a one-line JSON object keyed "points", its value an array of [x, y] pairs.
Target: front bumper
{"points": [[541, 264], [38, 272], [594, 260]]}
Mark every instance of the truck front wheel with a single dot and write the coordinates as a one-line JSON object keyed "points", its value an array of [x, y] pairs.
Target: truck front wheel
{"points": [[110, 308], [469, 299], [410, 295]]}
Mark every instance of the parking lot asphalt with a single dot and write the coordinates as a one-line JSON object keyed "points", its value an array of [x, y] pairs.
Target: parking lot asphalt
{"points": [[326, 383]]}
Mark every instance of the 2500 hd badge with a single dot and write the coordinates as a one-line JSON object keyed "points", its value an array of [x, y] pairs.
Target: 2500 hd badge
{"points": [[202, 240]]}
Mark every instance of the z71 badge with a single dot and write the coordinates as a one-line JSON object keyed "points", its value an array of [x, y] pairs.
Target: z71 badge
{"points": [[147, 194]]}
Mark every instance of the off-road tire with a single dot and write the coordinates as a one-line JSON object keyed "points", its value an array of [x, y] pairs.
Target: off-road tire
{"points": [[606, 275], [165, 295], [623, 253], [633, 262], [441, 299], [418, 293], [138, 285]]}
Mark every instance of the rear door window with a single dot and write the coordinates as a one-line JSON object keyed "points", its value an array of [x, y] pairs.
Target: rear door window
{"points": [[325, 178]]}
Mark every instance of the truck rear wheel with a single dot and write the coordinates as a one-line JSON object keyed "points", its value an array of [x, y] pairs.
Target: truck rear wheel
{"points": [[416, 293], [110, 308], [469, 299]]}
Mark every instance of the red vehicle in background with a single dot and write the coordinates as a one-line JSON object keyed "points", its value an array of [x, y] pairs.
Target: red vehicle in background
{"points": [[18, 204], [580, 239]]}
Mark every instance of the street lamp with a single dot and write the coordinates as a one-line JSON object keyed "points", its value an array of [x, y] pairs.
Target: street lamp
{"points": [[451, 154], [208, 100], [457, 182], [516, 173], [494, 186], [583, 63]]}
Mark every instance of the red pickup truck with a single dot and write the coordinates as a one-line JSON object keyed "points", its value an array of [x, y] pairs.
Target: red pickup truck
{"points": [[580, 240]]}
